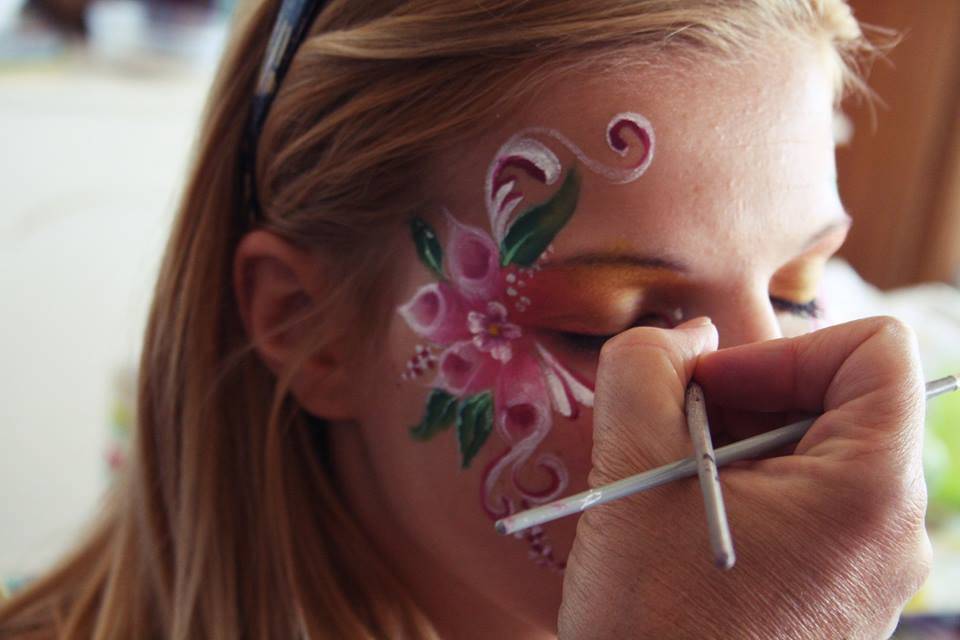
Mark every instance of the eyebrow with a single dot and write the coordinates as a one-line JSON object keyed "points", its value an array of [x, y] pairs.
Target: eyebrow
{"points": [[600, 259], [619, 259], [845, 222]]}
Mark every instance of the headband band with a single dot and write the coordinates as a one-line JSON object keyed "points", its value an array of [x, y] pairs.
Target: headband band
{"points": [[293, 22]]}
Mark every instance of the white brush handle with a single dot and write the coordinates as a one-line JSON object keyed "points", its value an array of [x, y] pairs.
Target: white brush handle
{"points": [[744, 449]]}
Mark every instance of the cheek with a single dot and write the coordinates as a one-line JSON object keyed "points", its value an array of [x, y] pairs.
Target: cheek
{"points": [[792, 325], [417, 483], [572, 441]]}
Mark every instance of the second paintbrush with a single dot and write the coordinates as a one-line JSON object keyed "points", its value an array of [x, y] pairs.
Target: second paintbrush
{"points": [[721, 542]]}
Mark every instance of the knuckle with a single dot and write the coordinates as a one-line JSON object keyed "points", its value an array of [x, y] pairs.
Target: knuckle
{"points": [[891, 361], [923, 562], [920, 564], [895, 353], [895, 332]]}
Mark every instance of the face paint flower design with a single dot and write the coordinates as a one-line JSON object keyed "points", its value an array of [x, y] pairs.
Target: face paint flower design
{"points": [[491, 331], [492, 373]]}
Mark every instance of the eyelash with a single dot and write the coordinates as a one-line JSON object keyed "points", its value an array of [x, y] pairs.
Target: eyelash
{"points": [[593, 342], [809, 309]]}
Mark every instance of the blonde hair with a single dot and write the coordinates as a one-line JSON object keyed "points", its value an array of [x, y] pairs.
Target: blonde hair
{"points": [[226, 523]]}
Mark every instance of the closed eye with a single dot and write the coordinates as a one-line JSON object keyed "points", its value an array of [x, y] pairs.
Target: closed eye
{"points": [[593, 342], [809, 309]]}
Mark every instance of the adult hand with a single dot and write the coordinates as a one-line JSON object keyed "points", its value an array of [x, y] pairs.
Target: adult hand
{"points": [[830, 540]]}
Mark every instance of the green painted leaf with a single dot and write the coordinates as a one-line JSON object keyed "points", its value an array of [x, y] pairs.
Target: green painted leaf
{"points": [[439, 415], [474, 424], [535, 229], [428, 247]]}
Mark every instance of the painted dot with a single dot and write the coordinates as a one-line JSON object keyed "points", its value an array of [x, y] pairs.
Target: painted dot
{"points": [[511, 277], [511, 291]]}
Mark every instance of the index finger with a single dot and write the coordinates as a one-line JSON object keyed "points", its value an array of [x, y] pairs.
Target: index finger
{"points": [[818, 371]]}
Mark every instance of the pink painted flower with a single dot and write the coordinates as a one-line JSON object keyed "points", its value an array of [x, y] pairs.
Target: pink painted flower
{"points": [[491, 370], [467, 316]]}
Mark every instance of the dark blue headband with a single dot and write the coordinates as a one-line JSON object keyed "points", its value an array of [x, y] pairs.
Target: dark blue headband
{"points": [[293, 22]]}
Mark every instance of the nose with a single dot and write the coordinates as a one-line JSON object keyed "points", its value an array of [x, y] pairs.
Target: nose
{"points": [[743, 314]]}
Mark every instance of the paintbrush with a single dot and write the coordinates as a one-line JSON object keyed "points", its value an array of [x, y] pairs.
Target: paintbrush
{"points": [[744, 449], [721, 541]]}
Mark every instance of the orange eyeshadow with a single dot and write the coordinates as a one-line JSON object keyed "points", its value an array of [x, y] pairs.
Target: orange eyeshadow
{"points": [[595, 298], [799, 280]]}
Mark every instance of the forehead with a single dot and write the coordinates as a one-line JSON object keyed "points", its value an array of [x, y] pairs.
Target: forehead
{"points": [[743, 158]]}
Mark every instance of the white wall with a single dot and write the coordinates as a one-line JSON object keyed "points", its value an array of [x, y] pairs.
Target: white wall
{"points": [[90, 165]]}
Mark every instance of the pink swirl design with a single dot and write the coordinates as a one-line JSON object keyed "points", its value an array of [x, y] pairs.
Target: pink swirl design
{"points": [[522, 420], [524, 153]]}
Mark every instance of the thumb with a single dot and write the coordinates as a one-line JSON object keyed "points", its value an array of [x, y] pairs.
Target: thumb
{"points": [[638, 415]]}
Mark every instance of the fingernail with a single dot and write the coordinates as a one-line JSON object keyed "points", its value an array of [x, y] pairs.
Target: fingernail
{"points": [[695, 324], [703, 331]]}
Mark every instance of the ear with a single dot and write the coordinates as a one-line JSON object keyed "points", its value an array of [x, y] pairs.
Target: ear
{"points": [[274, 282]]}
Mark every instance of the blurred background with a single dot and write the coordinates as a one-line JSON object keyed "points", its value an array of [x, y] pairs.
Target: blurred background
{"points": [[99, 104]]}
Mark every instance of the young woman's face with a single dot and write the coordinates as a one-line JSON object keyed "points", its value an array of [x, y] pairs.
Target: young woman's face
{"points": [[666, 194]]}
